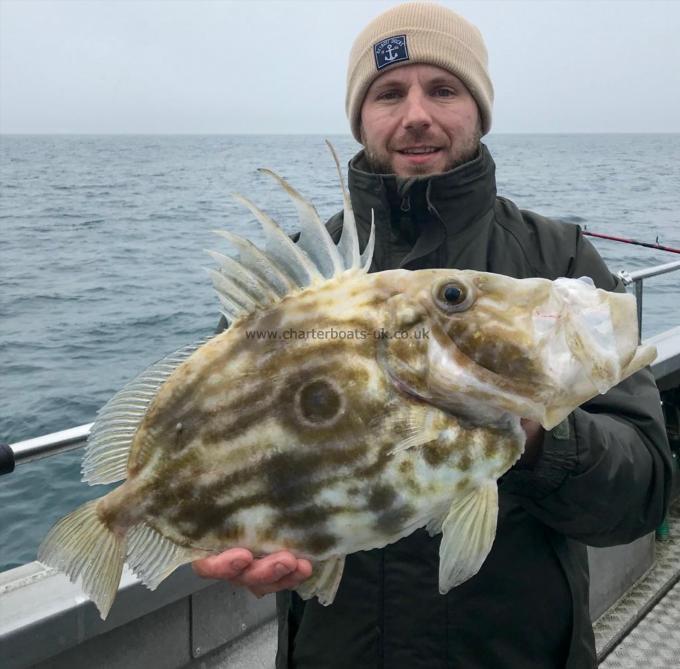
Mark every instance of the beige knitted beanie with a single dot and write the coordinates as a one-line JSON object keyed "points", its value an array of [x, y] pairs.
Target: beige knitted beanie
{"points": [[418, 32]]}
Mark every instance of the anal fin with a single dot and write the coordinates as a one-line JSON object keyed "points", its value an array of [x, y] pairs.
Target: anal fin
{"points": [[468, 533], [153, 557], [324, 581]]}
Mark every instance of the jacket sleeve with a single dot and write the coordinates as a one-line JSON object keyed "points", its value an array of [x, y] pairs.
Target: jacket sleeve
{"points": [[604, 475]]}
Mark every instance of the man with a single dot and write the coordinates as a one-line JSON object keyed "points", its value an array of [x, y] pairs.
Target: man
{"points": [[419, 98]]}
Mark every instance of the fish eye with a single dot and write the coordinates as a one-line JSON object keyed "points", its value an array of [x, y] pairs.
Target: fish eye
{"points": [[453, 296]]}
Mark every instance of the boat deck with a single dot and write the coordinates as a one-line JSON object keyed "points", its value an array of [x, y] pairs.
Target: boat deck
{"points": [[655, 641], [643, 628]]}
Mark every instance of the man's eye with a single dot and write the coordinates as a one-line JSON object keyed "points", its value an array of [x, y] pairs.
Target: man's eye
{"points": [[444, 92], [388, 95]]}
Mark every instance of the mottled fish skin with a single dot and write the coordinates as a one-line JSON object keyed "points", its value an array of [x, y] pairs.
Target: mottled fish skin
{"points": [[288, 443]]}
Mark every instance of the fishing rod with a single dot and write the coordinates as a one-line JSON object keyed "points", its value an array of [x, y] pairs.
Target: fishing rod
{"points": [[625, 240]]}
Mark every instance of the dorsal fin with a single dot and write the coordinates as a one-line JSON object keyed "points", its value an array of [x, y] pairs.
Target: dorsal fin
{"points": [[367, 255], [349, 239], [260, 277], [108, 446], [246, 280], [314, 239], [251, 258]]}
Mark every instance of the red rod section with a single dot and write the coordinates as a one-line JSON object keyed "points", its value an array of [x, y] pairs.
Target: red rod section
{"points": [[660, 247]]}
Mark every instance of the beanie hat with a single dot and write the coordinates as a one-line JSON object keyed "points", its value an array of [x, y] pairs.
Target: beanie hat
{"points": [[418, 32]]}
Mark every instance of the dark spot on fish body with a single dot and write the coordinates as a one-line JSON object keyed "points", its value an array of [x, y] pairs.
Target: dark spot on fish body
{"points": [[307, 516], [291, 478], [464, 463], [377, 464], [285, 476], [267, 535], [229, 531], [412, 485], [392, 520], [331, 390], [493, 443], [381, 497], [319, 401], [435, 453], [319, 543], [207, 517], [406, 467], [463, 484]]}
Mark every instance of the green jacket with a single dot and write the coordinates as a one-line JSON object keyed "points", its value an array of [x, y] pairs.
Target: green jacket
{"points": [[604, 480]]}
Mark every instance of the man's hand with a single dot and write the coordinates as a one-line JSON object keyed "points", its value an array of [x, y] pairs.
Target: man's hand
{"points": [[278, 571]]}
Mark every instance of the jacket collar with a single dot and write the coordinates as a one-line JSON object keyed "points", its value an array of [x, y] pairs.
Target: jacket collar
{"points": [[454, 200]]}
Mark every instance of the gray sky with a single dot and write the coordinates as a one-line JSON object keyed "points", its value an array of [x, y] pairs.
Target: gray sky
{"points": [[204, 66]]}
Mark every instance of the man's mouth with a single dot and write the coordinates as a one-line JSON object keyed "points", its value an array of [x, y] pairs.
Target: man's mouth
{"points": [[418, 150]]}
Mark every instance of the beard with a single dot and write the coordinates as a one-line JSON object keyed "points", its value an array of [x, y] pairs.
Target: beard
{"points": [[465, 150]]}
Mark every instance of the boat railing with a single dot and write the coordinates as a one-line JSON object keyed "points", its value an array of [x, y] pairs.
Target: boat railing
{"points": [[43, 446], [637, 279]]}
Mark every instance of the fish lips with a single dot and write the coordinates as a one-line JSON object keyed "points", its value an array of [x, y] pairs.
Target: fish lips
{"points": [[593, 342]]}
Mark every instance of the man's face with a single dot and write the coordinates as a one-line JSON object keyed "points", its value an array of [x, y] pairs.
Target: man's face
{"points": [[419, 119]]}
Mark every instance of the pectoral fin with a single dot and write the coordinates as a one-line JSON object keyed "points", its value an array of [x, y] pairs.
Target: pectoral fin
{"points": [[324, 581], [468, 533]]}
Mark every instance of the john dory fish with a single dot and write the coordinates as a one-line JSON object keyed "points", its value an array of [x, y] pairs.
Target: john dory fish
{"points": [[329, 445]]}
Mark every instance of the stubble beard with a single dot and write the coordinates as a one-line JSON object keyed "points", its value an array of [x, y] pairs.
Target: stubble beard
{"points": [[463, 154]]}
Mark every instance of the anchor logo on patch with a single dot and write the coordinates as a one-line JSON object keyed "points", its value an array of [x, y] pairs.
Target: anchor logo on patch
{"points": [[390, 50]]}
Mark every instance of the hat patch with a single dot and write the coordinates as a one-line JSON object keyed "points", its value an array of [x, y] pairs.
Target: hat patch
{"points": [[389, 51]]}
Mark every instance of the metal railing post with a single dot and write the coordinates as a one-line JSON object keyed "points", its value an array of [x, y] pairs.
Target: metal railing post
{"points": [[637, 278], [42, 447], [638, 297]]}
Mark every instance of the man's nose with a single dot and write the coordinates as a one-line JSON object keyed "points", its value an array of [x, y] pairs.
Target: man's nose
{"points": [[416, 113]]}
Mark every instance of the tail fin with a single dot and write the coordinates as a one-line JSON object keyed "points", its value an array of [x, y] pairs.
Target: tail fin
{"points": [[81, 545]]}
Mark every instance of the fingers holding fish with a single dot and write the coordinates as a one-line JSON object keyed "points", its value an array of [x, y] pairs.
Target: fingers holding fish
{"points": [[277, 571], [226, 566], [257, 580]]}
